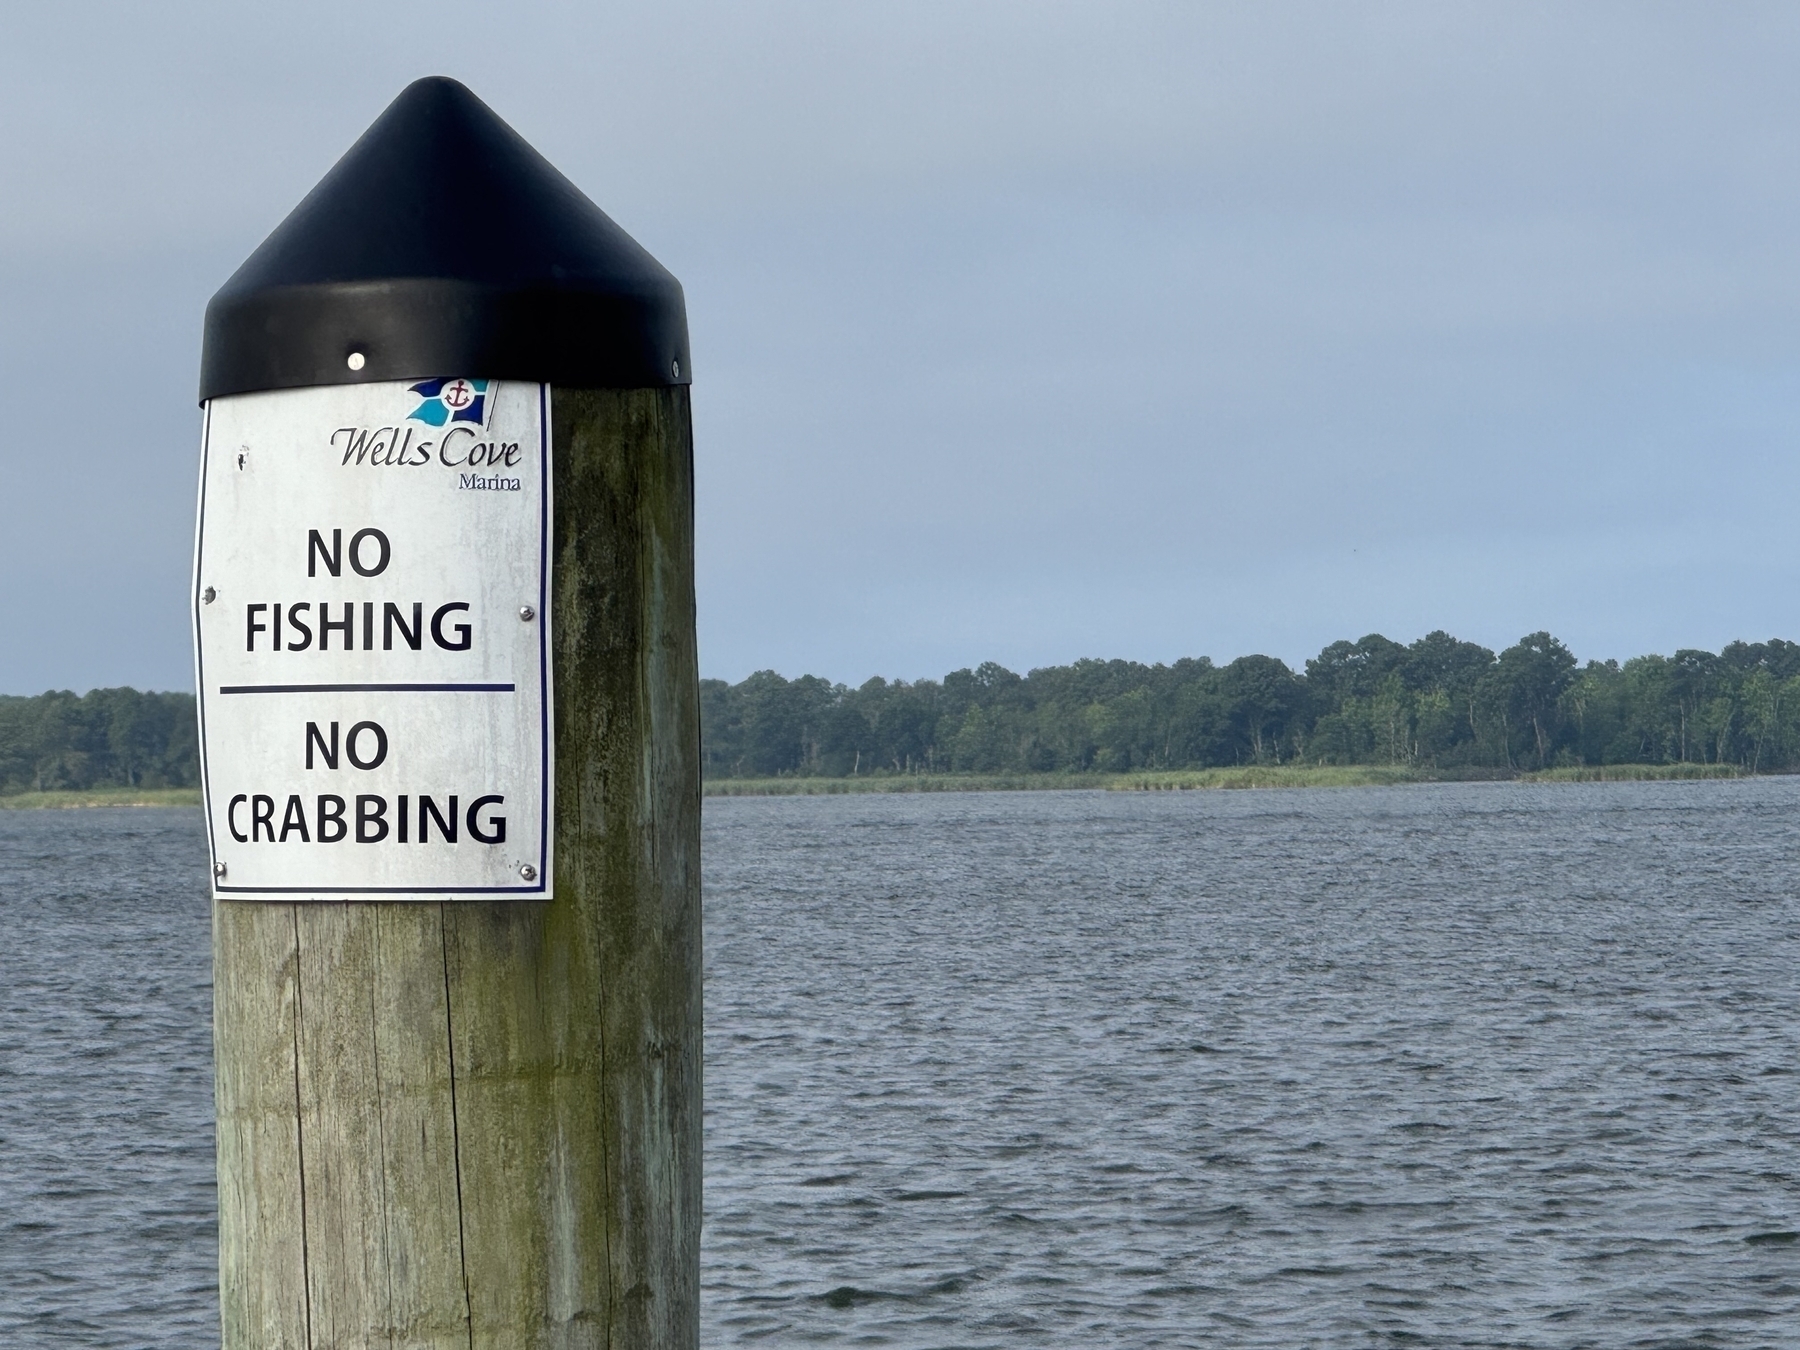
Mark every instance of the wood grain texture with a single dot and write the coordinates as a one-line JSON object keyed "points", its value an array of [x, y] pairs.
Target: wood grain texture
{"points": [[384, 1258], [427, 1303], [491, 1112], [262, 1235]]}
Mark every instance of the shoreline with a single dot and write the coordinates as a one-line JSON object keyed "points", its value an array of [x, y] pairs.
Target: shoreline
{"points": [[76, 801], [1232, 779], [1165, 780]]}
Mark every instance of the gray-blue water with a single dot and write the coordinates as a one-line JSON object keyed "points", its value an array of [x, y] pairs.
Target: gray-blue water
{"points": [[1443, 1066]]}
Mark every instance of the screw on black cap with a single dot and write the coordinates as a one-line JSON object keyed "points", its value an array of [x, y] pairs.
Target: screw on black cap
{"points": [[443, 244]]}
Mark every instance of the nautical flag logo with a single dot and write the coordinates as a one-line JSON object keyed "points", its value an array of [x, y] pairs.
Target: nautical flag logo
{"points": [[448, 400]]}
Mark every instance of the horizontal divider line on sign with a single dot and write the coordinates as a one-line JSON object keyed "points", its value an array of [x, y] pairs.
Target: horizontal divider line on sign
{"points": [[366, 688], [379, 890]]}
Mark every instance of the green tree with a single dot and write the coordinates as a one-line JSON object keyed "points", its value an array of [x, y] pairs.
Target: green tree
{"points": [[1531, 677]]}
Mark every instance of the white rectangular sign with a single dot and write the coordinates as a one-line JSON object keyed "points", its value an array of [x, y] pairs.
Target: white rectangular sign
{"points": [[371, 620]]}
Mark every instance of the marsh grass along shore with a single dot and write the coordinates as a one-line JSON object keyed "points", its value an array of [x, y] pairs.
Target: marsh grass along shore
{"points": [[1181, 780], [53, 801]]}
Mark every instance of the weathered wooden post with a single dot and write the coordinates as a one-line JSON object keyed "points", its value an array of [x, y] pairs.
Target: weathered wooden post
{"points": [[444, 629]]}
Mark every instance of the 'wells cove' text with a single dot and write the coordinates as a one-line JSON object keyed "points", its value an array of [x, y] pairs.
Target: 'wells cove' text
{"points": [[382, 447]]}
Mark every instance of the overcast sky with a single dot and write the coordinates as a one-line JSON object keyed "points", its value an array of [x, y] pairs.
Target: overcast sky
{"points": [[1021, 332]]}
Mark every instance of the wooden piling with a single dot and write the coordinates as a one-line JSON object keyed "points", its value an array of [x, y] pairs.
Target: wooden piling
{"points": [[478, 1124]]}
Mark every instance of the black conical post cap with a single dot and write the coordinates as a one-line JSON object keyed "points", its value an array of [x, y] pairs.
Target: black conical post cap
{"points": [[443, 244]]}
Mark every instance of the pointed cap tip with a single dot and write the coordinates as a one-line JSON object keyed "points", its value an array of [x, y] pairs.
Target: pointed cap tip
{"points": [[442, 243]]}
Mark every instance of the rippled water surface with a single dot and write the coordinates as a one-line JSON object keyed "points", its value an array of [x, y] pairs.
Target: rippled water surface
{"points": [[106, 1145], [1441, 1066], [1482, 1065]]}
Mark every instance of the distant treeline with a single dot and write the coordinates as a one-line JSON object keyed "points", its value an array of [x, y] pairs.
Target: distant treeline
{"points": [[1437, 703], [105, 738]]}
